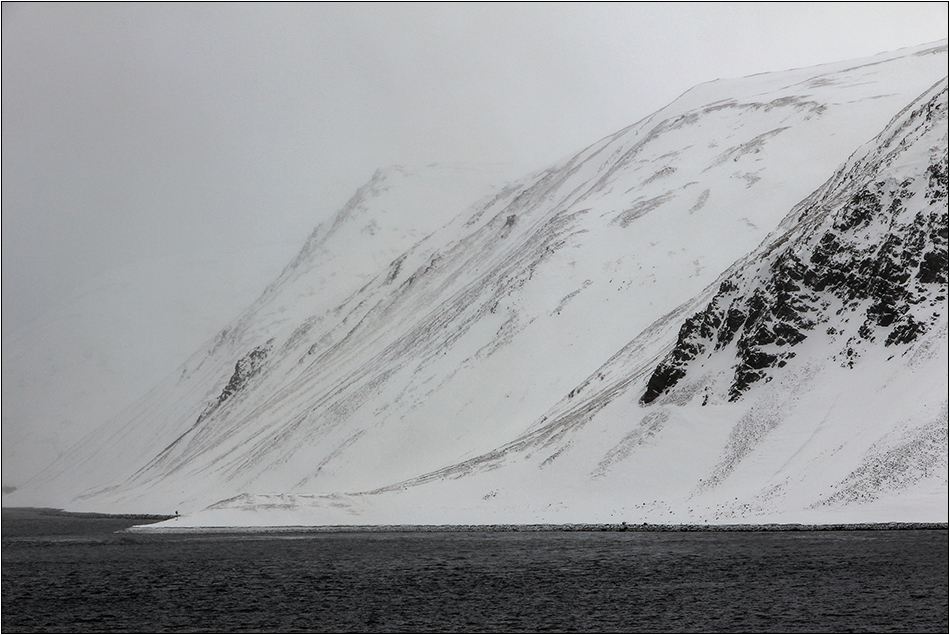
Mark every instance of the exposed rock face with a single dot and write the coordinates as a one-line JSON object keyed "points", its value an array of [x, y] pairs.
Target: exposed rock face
{"points": [[244, 369], [878, 259]]}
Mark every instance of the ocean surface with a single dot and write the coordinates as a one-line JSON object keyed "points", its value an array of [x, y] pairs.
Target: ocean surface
{"points": [[73, 574]]}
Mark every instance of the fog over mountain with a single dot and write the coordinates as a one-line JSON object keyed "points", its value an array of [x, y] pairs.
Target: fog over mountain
{"points": [[163, 162], [732, 310]]}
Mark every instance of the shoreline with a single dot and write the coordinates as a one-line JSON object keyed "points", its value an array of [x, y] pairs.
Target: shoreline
{"points": [[148, 526], [538, 528]]}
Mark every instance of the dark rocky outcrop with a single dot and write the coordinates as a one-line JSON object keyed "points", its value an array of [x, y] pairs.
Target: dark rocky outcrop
{"points": [[244, 369]]}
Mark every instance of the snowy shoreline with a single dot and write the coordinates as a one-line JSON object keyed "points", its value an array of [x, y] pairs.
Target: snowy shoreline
{"points": [[572, 527], [152, 519]]}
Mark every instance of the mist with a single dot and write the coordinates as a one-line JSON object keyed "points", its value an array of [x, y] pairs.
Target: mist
{"points": [[141, 141]]}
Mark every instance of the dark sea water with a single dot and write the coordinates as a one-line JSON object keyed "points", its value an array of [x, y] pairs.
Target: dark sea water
{"points": [[73, 575]]}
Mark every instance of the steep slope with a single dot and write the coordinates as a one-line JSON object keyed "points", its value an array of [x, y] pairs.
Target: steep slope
{"points": [[377, 224], [880, 260], [811, 387], [452, 348], [109, 343], [125, 331]]}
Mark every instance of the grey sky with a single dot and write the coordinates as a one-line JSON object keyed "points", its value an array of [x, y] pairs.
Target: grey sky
{"points": [[133, 131]]}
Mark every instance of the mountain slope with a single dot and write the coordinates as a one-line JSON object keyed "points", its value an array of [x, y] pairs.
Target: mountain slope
{"points": [[118, 335], [497, 326], [811, 387]]}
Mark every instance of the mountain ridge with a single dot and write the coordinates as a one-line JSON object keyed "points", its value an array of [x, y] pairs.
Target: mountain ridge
{"points": [[447, 349]]}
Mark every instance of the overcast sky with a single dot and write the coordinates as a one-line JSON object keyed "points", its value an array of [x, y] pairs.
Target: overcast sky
{"points": [[142, 130]]}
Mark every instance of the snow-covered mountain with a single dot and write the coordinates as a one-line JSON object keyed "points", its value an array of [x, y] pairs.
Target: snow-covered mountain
{"points": [[119, 334], [111, 341], [644, 331]]}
